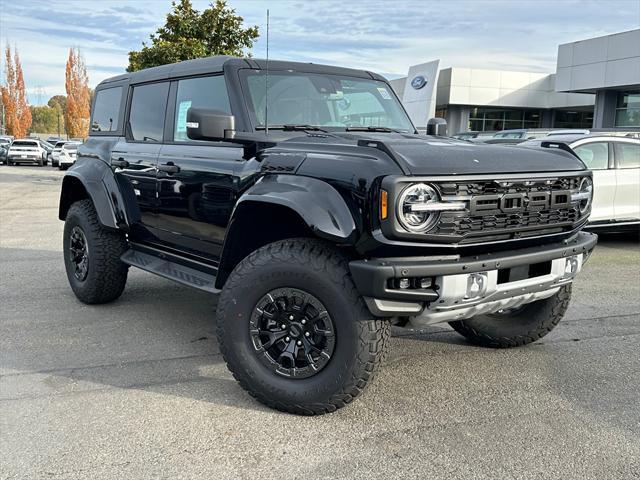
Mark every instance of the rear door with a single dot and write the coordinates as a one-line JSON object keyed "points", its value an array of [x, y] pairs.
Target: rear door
{"points": [[135, 157], [197, 180], [598, 157], [627, 161]]}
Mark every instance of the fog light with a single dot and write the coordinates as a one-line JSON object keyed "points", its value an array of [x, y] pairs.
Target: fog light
{"points": [[425, 282], [571, 266], [476, 285], [404, 283]]}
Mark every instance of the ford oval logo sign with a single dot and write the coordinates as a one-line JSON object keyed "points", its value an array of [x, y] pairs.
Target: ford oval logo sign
{"points": [[418, 82]]}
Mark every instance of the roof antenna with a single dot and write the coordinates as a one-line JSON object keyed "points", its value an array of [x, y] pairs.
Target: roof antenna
{"points": [[266, 85]]}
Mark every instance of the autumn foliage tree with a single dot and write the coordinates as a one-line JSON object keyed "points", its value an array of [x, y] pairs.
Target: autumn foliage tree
{"points": [[78, 106], [16, 110]]}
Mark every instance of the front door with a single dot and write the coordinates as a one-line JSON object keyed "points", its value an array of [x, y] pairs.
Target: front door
{"points": [[197, 181], [597, 156], [197, 189]]}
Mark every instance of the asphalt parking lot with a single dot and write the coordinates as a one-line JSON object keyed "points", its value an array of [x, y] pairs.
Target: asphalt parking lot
{"points": [[137, 388]]}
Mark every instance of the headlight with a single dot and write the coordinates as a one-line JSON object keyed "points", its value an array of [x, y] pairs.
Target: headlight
{"points": [[584, 195], [414, 212]]}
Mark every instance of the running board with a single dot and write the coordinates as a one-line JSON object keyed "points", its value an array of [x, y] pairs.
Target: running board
{"points": [[171, 270]]}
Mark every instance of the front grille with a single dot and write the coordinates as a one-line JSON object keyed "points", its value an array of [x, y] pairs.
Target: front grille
{"points": [[489, 217]]}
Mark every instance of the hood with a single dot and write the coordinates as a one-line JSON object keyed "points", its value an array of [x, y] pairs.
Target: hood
{"points": [[428, 155]]}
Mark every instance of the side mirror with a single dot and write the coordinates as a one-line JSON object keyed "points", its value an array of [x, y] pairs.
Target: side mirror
{"points": [[207, 124], [437, 126]]}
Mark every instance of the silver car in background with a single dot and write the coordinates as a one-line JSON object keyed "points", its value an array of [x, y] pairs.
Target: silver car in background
{"points": [[615, 163]]}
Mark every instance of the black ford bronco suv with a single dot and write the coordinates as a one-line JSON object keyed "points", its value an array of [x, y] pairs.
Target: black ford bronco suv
{"points": [[305, 197]]}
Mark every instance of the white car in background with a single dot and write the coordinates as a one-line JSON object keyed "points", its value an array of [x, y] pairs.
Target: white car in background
{"points": [[55, 154], [615, 163], [68, 154], [26, 151]]}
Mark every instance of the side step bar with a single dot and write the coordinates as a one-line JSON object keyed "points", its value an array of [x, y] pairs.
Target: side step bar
{"points": [[171, 270]]}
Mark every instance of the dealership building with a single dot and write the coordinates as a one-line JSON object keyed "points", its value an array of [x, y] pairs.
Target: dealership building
{"points": [[596, 85]]}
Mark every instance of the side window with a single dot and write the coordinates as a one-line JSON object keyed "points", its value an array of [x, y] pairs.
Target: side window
{"points": [[594, 155], [106, 110], [202, 92], [146, 116], [627, 155]]}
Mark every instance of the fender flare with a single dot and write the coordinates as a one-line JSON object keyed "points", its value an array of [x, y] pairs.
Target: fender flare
{"points": [[319, 204], [104, 190]]}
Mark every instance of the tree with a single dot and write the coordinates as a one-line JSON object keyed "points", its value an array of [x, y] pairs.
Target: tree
{"points": [[44, 119], [189, 34], [16, 110], [59, 102], [78, 105]]}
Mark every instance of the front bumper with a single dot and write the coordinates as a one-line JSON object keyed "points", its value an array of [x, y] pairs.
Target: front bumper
{"points": [[509, 279]]}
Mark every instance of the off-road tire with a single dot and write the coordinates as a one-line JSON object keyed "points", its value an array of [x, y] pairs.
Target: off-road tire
{"points": [[525, 325], [106, 274], [360, 338]]}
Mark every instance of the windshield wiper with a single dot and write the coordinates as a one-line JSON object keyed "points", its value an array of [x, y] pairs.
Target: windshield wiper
{"points": [[372, 129], [293, 128]]}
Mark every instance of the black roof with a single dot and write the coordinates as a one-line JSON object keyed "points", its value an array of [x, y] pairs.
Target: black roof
{"points": [[216, 64]]}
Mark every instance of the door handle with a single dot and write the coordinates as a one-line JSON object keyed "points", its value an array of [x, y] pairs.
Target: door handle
{"points": [[169, 168], [120, 162]]}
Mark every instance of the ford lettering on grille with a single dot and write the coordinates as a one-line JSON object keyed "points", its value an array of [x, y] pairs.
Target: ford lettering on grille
{"points": [[518, 202], [509, 209]]}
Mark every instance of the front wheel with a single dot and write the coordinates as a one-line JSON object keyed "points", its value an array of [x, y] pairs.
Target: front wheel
{"points": [[92, 256], [294, 331], [516, 327]]}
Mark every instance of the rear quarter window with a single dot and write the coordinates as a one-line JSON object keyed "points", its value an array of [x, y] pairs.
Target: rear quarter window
{"points": [[106, 110]]}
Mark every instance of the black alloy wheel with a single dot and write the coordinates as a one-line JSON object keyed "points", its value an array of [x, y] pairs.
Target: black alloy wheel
{"points": [[292, 333], [79, 253]]}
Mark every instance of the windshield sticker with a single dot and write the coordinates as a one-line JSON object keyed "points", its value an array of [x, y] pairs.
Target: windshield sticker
{"points": [[384, 93], [181, 125]]}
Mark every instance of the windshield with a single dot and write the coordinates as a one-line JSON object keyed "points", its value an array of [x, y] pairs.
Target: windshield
{"points": [[326, 101], [70, 146], [24, 144]]}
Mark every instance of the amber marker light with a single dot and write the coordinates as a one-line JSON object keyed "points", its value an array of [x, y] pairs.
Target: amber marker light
{"points": [[383, 204]]}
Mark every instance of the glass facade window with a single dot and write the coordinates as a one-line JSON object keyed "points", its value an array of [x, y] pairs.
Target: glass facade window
{"points": [[628, 109], [488, 118], [573, 119]]}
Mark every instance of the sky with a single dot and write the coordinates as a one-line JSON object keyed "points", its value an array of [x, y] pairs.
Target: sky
{"points": [[385, 36]]}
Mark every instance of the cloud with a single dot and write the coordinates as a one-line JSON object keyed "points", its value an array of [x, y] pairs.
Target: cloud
{"points": [[379, 35]]}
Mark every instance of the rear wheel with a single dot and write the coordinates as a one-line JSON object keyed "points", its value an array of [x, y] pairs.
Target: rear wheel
{"points": [[516, 327], [295, 332], [92, 256]]}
